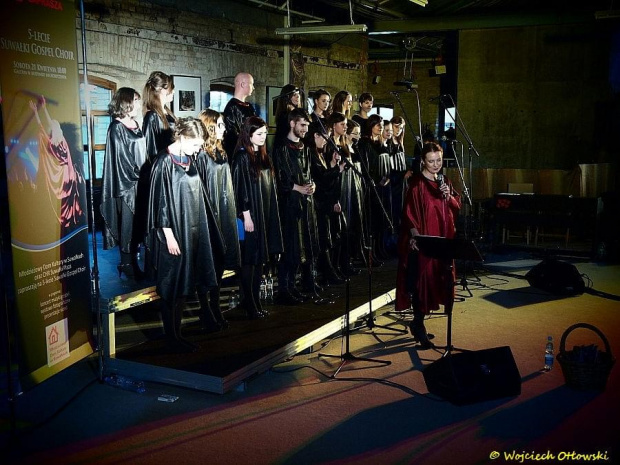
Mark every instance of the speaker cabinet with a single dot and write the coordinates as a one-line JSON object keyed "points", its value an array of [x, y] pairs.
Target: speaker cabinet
{"points": [[557, 277], [474, 376]]}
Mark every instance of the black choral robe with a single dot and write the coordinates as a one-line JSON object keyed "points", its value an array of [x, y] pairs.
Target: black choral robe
{"points": [[292, 166], [257, 194], [125, 155], [217, 179], [178, 200], [327, 194], [398, 168], [352, 197], [157, 137], [376, 163], [234, 115]]}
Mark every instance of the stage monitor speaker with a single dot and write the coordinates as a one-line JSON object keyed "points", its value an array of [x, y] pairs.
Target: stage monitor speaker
{"points": [[557, 277], [474, 376]]}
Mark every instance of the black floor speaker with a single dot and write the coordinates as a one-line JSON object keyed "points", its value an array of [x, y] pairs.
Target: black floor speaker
{"points": [[557, 277], [474, 376]]}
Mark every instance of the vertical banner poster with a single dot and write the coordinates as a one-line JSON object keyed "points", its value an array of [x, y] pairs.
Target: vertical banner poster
{"points": [[39, 91]]}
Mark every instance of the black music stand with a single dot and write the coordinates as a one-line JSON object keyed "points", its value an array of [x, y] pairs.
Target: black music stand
{"points": [[448, 250]]}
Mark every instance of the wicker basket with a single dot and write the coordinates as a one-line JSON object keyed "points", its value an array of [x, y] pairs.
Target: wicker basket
{"points": [[585, 375]]}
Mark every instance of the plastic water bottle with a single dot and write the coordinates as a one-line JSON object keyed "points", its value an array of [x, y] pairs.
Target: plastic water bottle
{"points": [[269, 289], [233, 300], [549, 354], [263, 289], [126, 383]]}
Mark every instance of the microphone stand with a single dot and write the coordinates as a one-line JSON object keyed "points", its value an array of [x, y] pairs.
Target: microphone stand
{"points": [[396, 94], [370, 318], [460, 126], [347, 356]]}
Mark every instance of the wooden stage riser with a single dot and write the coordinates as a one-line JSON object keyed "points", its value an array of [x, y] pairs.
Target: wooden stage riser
{"points": [[221, 385]]}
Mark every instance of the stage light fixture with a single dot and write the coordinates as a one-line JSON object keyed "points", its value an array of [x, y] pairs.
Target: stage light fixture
{"points": [[343, 29]]}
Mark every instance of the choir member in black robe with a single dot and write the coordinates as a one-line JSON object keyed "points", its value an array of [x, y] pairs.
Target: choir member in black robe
{"points": [[326, 172], [257, 207], [376, 168], [288, 100], [158, 122], [345, 134], [398, 168], [321, 99], [237, 110], [214, 170], [366, 102], [291, 160], [342, 103], [183, 240], [125, 155]]}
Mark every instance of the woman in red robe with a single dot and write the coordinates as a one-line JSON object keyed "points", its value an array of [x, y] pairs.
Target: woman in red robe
{"points": [[430, 208]]}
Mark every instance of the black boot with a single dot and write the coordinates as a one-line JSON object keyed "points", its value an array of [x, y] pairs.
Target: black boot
{"points": [[419, 331], [129, 266], [214, 303], [248, 303], [327, 269], [335, 254], [309, 284], [284, 296], [172, 315], [208, 322]]}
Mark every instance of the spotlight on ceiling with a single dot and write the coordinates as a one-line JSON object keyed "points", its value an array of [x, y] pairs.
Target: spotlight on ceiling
{"points": [[344, 29]]}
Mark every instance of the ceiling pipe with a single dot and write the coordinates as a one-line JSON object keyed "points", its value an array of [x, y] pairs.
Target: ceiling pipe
{"points": [[284, 10]]}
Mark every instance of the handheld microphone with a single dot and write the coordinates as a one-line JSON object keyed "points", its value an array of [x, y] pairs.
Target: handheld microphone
{"points": [[440, 181]]}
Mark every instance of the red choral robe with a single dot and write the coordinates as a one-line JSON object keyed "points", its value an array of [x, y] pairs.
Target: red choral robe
{"points": [[431, 214]]}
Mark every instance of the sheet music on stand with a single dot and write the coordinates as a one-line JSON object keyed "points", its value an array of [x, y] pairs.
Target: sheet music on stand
{"points": [[448, 249]]}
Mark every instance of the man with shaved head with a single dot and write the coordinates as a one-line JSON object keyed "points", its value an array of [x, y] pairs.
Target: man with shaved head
{"points": [[237, 110]]}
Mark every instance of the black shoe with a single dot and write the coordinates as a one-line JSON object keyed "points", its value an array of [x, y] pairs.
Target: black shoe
{"points": [[420, 335], [333, 278], [285, 297], [130, 271], [298, 295], [211, 327], [312, 288], [351, 271]]}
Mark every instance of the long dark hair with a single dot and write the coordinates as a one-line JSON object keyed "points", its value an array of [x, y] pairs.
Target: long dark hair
{"points": [[157, 82], [122, 102], [337, 104], [371, 122], [285, 99], [401, 137], [309, 142], [258, 160]]}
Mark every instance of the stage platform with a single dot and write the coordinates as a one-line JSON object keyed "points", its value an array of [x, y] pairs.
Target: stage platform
{"points": [[134, 343]]}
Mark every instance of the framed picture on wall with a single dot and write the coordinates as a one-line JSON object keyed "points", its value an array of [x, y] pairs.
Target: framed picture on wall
{"points": [[187, 96], [272, 94]]}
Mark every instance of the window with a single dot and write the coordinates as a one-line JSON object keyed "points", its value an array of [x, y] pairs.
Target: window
{"points": [[385, 111], [101, 92], [219, 95]]}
